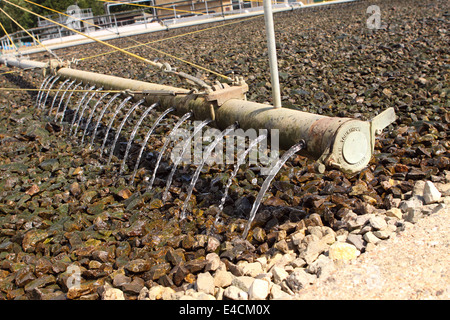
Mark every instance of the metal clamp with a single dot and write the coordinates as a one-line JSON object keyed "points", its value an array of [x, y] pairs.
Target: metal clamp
{"points": [[222, 92]]}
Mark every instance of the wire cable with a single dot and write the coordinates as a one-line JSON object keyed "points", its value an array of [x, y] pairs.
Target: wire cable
{"points": [[159, 65], [7, 34], [170, 38], [26, 31], [141, 44]]}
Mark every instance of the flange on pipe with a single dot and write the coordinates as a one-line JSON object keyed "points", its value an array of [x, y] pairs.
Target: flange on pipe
{"points": [[353, 143]]}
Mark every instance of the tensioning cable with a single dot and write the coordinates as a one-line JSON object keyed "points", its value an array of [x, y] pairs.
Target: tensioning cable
{"points": [[26, 31], [139, 44], [87, 36], [170, 38], [9, 37]]}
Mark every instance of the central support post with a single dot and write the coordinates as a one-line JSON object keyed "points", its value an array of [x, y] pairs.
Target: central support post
{"points": [[272, 52]]}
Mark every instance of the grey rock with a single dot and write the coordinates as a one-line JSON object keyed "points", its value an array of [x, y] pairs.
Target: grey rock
{"points": [[120, 280], [134, 287], [299, 279], [322, 267], [242, 282], [378, 222], [371, 238], [413, 215], [356, 240], [410, 205], [235, 293], [279, 274]]}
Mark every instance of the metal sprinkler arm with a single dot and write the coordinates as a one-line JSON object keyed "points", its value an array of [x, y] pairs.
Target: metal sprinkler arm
{"points": [[343, 143]]}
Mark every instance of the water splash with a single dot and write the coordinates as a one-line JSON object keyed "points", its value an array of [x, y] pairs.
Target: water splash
{"points": [[94, 108], [48, 92], [78, 108], [144, 143], [273, 172], [62, 99], [86, 105], [44, 83], [206, 155], [56, 95], [102, 113], [68, 100], [134, 107], [239, 162], [164, 147], [112, 121], [178, 160], [133, 133]]}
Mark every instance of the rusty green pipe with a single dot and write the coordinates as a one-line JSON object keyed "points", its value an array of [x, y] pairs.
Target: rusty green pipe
{"points": [[343, 143]]}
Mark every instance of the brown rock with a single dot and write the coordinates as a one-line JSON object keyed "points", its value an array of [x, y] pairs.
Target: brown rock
{"points": [[138, 265], [124, 193], [33, 190]]}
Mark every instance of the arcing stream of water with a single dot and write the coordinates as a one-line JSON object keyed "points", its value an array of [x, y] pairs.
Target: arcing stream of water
{"points": [[144, 143], [273, 172], [116, 112], [134, 107], [164, 147], [178, 159], [133, 133], [205, 157]]}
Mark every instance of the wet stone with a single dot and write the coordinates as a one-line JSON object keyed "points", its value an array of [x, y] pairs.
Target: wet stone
{"points": [[138, 265]]}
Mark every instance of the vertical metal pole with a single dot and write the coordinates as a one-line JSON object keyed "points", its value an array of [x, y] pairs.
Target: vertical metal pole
{"points": [[117, 27], [206, 6], [221, 6], [272, 52]]}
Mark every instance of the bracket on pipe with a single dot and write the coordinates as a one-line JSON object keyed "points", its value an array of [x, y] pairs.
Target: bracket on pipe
{"points": [[222, 92], [54, 65]]}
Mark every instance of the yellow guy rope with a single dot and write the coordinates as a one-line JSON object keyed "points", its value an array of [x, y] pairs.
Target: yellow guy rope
{"points": [[170, 38], [7, 34], [85, 35], [20, 26], [117, 48], [140, 44]]}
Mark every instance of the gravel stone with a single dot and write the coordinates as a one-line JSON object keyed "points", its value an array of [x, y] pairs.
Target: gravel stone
{"points": [[430, 193]]}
